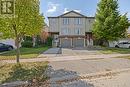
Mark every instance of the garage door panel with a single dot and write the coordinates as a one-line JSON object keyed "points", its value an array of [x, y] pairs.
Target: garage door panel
{"points": [[78, 42], [66, 43]]}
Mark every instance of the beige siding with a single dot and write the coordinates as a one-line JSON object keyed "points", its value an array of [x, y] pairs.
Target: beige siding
{"points": [[89, 24], [53, 25], [72, 26], [56, 24]]}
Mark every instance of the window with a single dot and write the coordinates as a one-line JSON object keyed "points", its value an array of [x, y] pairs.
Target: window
{"points": [[65, 31], [65, 21], [77, 31], [1, 44], [77, 21]]}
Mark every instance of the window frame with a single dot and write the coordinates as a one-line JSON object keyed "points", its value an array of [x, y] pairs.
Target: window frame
{"points": [[65, 31], [65, 21], [78, 31], [77, 21]]}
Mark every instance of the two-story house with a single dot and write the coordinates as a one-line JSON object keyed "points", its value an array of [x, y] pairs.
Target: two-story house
{"points": [[71, 29]]}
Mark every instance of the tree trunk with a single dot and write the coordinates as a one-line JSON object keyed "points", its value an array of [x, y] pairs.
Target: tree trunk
{"points": [[17, 42], [34, 41], [17, 51]]}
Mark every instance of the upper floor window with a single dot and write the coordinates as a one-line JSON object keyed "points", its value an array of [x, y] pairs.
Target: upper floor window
{"points": [[65, 21], [65, 31], [78, 31], [77, 21]]}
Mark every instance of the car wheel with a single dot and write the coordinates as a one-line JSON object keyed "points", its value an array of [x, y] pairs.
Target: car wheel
{"points": [[117, 46], [10, 48], [129, 47]]}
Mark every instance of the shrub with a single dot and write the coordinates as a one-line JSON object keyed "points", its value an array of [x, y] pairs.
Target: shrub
{"points": [[49, 41], [27, 44]]}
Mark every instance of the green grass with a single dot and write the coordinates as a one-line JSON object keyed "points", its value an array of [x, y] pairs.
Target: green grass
{"points": [[124, 57], [115, 50], [23, 72], [25, 53]]}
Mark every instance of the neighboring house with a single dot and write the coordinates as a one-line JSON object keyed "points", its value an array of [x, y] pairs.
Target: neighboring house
{"points": [[44, 34], [71, 29]]}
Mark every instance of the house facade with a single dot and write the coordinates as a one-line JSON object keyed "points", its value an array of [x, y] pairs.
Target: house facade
{"points": [[71, 29]]}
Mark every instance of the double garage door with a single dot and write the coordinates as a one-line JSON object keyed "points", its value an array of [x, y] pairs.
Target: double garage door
{"points": [[68, 43]]}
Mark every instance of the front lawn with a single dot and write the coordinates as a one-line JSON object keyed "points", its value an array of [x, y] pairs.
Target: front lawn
{"points": [[115, 50], [23, 72], [26, 53], [126, 57]]}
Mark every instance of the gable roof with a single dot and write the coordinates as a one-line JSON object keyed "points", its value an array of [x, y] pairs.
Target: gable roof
{"points": [[72, 12]]}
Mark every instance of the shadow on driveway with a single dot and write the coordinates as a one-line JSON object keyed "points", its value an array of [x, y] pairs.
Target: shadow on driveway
{"points": [[65, 78]]}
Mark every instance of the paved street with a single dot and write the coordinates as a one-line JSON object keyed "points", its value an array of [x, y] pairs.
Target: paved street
{"points": [[118, 80], [74, 63], [69, 70], [91, 66]]}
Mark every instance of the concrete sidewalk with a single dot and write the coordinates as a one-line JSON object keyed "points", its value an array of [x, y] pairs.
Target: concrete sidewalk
{"points": [[53, 57]]}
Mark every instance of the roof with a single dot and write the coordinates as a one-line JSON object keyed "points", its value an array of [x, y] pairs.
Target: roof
{"points": [[72, 16], [73, 12]]}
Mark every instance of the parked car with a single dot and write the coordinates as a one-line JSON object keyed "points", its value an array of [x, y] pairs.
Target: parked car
{"points": [[5, 47], [123, 45]]}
